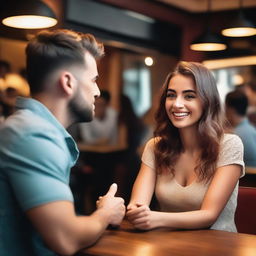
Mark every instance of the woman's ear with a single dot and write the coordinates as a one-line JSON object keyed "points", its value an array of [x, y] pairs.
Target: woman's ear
{"points": [[67, 83]]}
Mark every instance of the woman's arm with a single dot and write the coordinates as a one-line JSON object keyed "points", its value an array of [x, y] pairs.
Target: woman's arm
{"points": [[216, 197], [143, 187]]}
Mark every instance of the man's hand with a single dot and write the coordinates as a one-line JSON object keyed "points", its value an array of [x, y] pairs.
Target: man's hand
{"points": [[113, 205]]}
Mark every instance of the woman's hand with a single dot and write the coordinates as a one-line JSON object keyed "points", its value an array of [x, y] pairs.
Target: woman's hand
{"points": [[132, 206], [141, 217]]}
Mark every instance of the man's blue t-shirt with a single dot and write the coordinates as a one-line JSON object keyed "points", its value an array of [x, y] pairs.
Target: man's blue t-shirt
{"points": [[36, 154]]}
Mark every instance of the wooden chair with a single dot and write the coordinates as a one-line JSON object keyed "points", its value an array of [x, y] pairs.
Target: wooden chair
{"points": [[245, 216]]}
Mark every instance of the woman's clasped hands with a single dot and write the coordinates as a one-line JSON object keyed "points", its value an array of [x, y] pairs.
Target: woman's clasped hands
{"points": [[141, 217]]}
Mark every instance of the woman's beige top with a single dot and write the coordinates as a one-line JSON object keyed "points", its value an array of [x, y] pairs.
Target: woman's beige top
{"points": [[173, 197]]}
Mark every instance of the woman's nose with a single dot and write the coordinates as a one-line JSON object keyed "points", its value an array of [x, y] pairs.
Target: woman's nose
{"points": [[178, 102]]}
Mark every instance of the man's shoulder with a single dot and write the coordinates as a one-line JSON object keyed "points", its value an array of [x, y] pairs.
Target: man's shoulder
{"points": [[32, 141], [22, 124], [25, 121]]}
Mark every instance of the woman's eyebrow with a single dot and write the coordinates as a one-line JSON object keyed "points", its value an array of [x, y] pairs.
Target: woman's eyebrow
{"points": [[185, 91], [171, 90]]}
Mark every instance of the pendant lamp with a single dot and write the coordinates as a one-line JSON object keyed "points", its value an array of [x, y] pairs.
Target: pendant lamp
{"points": [[29, 14], [208, 41], [239, 26]]}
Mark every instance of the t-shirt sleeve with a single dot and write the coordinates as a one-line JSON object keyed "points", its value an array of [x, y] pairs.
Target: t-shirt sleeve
{"points": [[231, 152], [148, 156], [37, 171]]}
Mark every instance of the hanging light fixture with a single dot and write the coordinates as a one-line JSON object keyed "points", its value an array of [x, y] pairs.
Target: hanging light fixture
{"points": [[208, 41], [29, 14], [239, 26]]}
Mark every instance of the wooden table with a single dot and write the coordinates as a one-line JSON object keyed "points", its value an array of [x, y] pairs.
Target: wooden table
{"points": [[163, 242]]}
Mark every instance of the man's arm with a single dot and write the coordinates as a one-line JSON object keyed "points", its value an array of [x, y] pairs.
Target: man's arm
{"points": [[65, 233]]}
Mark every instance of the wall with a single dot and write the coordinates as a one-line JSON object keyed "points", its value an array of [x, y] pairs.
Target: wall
{"points": [[13, 51]]}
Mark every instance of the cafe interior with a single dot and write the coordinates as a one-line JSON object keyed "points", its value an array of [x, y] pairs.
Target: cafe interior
{"points": [[143, 40]]}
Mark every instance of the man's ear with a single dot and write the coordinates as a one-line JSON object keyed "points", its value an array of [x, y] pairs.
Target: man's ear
{"points": [[67, 83]]}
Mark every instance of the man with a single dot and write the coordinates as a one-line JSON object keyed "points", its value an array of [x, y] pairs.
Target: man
{"points": [[236, 107], [37, 214]]}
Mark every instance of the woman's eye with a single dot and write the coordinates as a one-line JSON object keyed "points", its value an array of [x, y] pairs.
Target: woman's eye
{"points": [[170, 95], [190, 96]]}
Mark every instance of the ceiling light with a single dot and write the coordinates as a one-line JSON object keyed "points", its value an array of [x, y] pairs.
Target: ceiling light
{"points": [[149, 61], [31, 14], [239, 26], [230, 62], [208, 41]]}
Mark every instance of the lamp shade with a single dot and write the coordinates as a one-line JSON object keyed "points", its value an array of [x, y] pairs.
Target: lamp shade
{"points": [[208, 42], [29, 14], [239, 27]]}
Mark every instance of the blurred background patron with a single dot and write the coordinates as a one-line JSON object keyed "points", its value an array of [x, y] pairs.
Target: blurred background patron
{"points": [[236, 108]]}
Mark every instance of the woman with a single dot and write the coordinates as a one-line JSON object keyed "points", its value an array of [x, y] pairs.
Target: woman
{"points": [[191, 165]]}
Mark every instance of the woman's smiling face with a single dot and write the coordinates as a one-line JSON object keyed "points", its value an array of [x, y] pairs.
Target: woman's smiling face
{"points": [[183, 105]]}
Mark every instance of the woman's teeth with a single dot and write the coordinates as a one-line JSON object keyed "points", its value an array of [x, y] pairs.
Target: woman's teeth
{"points": [[181, 114]]}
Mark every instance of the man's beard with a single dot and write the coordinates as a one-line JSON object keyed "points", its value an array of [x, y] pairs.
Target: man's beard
{"points": [[79, 109]]}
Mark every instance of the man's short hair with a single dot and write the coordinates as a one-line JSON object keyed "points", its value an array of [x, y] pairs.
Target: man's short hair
{"points": [[238, 101], [50, 50]]}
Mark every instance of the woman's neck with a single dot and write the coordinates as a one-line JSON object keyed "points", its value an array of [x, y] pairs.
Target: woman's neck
{"points": [[190, 139]]}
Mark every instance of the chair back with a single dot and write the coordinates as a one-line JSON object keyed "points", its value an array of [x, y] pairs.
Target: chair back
{"points": [[245, 217]]}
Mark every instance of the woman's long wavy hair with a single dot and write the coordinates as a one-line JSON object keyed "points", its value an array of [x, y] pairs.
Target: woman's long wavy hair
{"points": [[168, 145]]}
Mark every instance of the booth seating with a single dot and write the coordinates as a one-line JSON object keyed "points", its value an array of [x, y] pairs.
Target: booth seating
{"points": [[245, 217]]}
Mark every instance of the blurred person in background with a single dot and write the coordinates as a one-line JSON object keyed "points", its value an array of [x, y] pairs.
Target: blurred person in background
{"points": [[10, 96], [17, 82], [36, 151], [250, 91], [2, 115], [11, 85], [98, 143], [236, 104], [5, 68], [102, 130], [133, 131]]}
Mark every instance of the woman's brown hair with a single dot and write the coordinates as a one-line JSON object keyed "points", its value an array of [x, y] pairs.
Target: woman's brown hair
{"points": [[168, 144]]}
